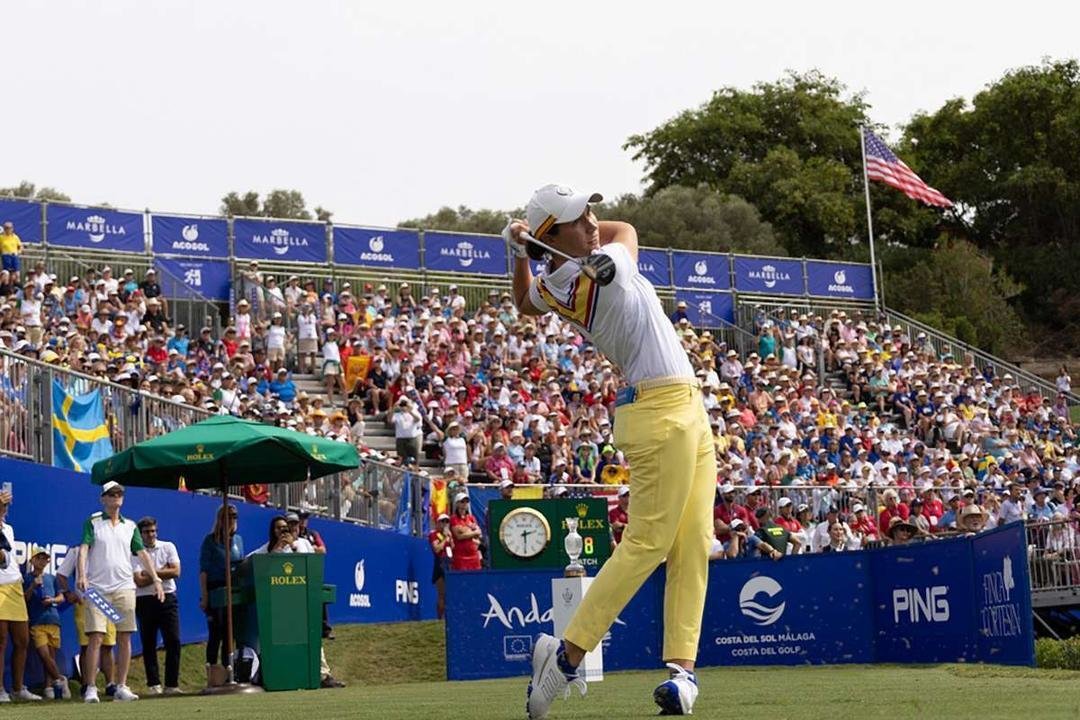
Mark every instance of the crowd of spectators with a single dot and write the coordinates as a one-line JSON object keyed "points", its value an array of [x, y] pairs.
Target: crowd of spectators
{"points": [[490, 395]]}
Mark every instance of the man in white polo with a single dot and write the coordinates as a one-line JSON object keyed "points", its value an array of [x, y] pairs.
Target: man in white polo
{"points": [[109, 541]]}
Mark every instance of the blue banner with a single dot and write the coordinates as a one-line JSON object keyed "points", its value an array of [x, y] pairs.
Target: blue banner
{"points": [[773, 276], [94, 227], [923, 599], [25, 215], [188, 278], [380, 576], [449, 252], [492, 619], [1003, 619], [702, 271], [785, 613], [705, 309], [377, 248], [80, 433], [839, 280], [653, 264], [176, 235], [285, 240]]}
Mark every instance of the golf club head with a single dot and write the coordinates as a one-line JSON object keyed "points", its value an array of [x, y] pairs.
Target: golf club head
{"points": [[600, 267]]}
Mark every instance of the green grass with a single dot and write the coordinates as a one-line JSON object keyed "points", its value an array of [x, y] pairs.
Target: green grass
{"points": [[376, 661]]}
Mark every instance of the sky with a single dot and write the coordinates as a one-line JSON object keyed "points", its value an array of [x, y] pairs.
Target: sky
{"points": [[387, 111]]}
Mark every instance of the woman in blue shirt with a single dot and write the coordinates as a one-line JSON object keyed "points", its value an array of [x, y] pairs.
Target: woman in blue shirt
{"points": [[212, 576]]}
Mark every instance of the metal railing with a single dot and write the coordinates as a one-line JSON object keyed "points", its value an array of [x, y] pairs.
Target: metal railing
{"points": [[26, 402], [749, 314], [185, 305], [1054, 560]]}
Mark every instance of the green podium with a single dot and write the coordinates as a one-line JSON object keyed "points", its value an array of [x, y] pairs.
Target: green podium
{"points": [[277, 610]]}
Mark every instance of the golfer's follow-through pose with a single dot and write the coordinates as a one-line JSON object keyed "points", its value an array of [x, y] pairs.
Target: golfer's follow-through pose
{"points": [[660, 425]]}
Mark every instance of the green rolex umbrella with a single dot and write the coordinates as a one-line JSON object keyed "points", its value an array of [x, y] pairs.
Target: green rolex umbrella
{"points": [[224, 449], [220, 450]]}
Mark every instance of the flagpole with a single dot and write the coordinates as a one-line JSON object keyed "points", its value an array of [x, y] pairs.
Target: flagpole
{"points": [[869, 218]]}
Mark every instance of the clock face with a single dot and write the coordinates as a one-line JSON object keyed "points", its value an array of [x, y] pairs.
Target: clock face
{"points": [[524, 532]]}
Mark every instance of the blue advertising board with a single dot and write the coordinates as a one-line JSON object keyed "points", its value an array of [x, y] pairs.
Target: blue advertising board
{"points": [[453, 252], [783, 613], [701, 271], [96, 228], [653, 264], [25, 216], [963, 599], [773, 276], [373, 247], [923, 604], [380, 576], [839, 280], [190, 278], [284, 240], [198, 236], [492, 619], [1002, 599], [706, 309]]}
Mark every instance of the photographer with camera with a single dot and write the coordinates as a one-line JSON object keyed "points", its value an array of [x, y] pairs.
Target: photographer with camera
{"points": [[408, 427]]}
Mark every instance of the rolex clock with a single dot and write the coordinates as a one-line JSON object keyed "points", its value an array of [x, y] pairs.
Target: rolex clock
{"points": [[524, 533]]}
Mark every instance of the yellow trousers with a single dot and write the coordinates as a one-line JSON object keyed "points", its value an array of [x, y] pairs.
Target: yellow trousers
{"points": [[667, 441]]}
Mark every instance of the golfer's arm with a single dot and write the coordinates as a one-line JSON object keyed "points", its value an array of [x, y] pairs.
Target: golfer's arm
{"points": [[523, 279], [613, 231]]}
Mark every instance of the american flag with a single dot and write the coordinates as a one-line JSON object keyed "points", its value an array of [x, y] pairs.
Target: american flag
{"points": [[883, 165]]}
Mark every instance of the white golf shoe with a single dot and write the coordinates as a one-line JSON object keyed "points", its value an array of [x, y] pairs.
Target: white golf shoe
{"points": [[549, 680], [677, 694]]}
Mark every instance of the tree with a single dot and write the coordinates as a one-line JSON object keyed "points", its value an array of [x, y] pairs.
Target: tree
{"points": [[1011, 160], [464, 220], [285, 204], [792, 149], [28, 190], [958, 289], [695, 219]]}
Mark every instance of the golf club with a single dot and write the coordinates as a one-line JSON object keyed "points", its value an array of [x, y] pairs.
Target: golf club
{"points": [[600, 268]]}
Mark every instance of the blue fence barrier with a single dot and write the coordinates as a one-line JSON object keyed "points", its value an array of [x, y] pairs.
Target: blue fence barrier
{"points": [[380, 576], [192, 236], [839, 280], [400, 248], [25, 215], [370, 247], [959, 600], [95, 228]]}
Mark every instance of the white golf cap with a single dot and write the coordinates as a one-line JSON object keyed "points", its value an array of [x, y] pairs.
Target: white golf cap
{"points": [[506, 482], [554, 204], [784, 502]]}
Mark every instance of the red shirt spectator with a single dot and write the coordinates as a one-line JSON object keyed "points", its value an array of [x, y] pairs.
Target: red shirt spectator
{"points": [[498, 464], [785, 519], [466, 536], [862, 525], [933, 509], [893, 508]]}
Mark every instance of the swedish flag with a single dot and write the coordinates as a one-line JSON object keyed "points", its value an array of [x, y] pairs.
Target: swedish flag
{"points": [[80, 434]]}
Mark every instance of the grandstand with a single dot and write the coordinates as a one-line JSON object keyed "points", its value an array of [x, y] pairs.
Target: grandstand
{"points": [[818, 392]]}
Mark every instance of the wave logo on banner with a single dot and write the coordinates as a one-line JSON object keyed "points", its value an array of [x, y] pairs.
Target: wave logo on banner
{"points": [[279, 240], [770, 276], [359, 599], [375, 247], [759, 612], [701, 270], [466, 253], [95, 228]]}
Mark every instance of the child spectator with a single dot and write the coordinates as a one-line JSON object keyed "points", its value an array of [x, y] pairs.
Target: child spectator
{"points": [[43, 597]]}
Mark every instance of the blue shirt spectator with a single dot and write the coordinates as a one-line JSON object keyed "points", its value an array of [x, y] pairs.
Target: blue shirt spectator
{"points": [[283, 386]]}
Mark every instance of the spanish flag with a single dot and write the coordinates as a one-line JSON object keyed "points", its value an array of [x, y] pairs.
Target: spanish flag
{"points": [[80, 433], [440, 498]]}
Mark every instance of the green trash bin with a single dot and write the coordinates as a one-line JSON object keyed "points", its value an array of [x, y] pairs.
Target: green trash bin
{"points": [[278, 612]]}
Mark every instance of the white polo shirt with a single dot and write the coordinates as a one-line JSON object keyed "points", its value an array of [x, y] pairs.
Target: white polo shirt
{"points": [[108, 562], [163, 553], [624, 319], [12, 573]]}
